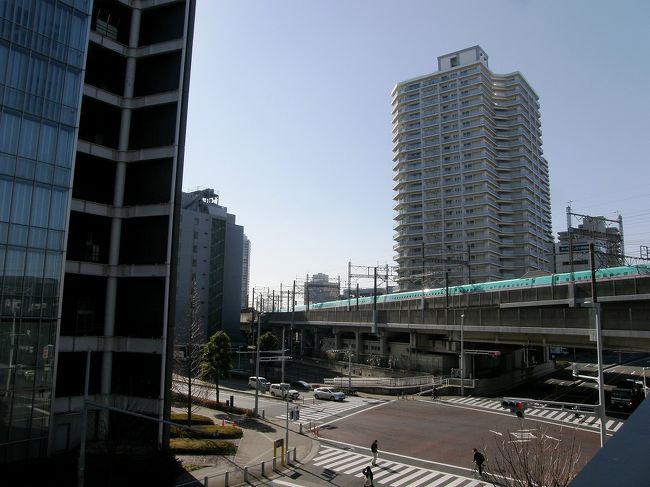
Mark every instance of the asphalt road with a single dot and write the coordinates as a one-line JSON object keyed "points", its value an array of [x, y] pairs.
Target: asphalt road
{"points": [[440, 434]]}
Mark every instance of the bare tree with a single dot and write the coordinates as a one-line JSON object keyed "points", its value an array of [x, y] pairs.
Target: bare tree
{"points": [[532, 458], [188, 355]]}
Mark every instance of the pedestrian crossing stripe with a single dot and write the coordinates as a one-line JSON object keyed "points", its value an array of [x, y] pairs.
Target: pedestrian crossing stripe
{"points": [[392, 474], [612, 425], [322, 410]]}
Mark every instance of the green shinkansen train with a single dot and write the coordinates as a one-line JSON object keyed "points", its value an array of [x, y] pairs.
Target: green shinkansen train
{"points": [[604, 274]]}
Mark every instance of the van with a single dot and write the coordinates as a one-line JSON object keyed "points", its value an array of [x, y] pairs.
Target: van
{"points": [[259, 382], [282, 389]]}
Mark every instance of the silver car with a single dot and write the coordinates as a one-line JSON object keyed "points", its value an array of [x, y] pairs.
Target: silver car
{"points": [[328, 393]]}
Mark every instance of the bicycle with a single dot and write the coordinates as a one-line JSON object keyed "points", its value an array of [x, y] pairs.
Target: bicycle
{"points": [[475, 473]]}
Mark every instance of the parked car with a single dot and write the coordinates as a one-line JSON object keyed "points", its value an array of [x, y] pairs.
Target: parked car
{"points": [[328, 393], [301, 385], [282, 389], [260, 382]]}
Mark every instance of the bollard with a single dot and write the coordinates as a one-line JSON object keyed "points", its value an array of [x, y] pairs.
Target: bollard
{"points": [[226, 479], [294, 454], [205, 482], [262, 469], [275, 465], [300, 428], [262, 413], [245, 474]]}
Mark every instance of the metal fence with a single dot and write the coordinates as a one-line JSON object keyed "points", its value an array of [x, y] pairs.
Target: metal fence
{"points": [[242, 475]]}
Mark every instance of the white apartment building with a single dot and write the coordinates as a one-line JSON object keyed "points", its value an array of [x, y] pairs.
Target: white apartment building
{"points": [[471, 185]]}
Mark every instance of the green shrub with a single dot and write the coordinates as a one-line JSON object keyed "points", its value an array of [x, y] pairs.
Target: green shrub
{"points": [[188, 446], [207, 431], [210, 404], [197, 419]]}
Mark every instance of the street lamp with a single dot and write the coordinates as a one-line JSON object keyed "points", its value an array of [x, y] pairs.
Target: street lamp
{"points": [[462, 357], [350, 369], [257, 362]]}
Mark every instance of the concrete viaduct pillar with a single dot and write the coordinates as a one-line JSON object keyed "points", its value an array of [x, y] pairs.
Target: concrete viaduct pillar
{"points": [[383, 343], [358, 343]]}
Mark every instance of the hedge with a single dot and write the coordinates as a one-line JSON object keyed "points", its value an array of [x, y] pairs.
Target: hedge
{"points": [[197, 419], [186, 446], [207, 431]]}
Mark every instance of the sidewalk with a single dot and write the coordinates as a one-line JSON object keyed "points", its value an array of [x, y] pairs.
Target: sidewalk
{"points": [[255, 451]]}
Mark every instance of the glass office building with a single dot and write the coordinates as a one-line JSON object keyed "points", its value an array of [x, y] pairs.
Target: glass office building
{"points": [[42, 55]]}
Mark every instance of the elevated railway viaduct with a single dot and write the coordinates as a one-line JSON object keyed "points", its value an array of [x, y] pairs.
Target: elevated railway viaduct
{"points": [[520, 325]]}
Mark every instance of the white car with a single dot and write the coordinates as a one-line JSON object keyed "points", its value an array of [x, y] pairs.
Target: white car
{"points": [[259, 382], [328, 393], [282, 390]]}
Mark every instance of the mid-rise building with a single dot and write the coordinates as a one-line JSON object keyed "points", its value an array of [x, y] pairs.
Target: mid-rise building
{"points": [[320, 288], [93, 106], [572, 249], [245, 272], [471, 184], [210, 261]]}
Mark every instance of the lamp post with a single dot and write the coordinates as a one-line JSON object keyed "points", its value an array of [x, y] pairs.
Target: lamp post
{"points": [[599, 347], [350, 370], [462, 357], [257, 361]]}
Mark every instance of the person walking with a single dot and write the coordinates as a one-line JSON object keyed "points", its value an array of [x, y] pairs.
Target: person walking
{"points": [[434, 393], [367, 472], [373, 449], [478, 460]]}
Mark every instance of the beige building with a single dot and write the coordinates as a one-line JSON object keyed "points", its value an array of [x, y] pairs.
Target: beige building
{"points": [[471, 184]]}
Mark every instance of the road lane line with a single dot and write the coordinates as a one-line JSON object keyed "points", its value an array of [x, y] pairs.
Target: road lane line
{"points": [[410, 477], [322, 462], [425, 479], [358, 462], [441, 480], [399, 474]]}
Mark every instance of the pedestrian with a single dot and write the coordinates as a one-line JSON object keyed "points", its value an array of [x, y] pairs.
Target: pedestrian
{"points": [[478, 460], [367, 472], [434, 393], [373, 449]]}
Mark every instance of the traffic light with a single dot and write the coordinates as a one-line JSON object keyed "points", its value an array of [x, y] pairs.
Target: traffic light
{"points": [[516, 407], [520, 407]]}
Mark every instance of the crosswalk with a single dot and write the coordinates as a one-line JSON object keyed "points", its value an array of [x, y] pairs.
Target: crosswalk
{"points": [[319, 410], [612, 425], [393, 474]]}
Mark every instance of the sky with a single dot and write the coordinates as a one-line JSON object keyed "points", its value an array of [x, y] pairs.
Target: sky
{"points": [[290, 114]]}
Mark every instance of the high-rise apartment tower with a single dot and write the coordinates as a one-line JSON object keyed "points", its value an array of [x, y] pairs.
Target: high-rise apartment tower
{"points": [[471, 186]]}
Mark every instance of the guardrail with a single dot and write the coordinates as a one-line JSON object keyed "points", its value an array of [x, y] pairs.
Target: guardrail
{"points": [[381, 381], [242, 475]]}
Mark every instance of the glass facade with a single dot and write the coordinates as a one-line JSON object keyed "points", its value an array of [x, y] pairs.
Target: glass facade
{"points": [[42, 52]]}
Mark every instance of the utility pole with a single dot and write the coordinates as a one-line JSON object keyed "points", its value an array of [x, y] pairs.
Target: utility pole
{"points": [[257, 360], [462, 356], [599, 348]]}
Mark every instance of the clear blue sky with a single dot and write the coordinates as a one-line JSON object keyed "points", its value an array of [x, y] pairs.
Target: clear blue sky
{"points": [[289, 116]]}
